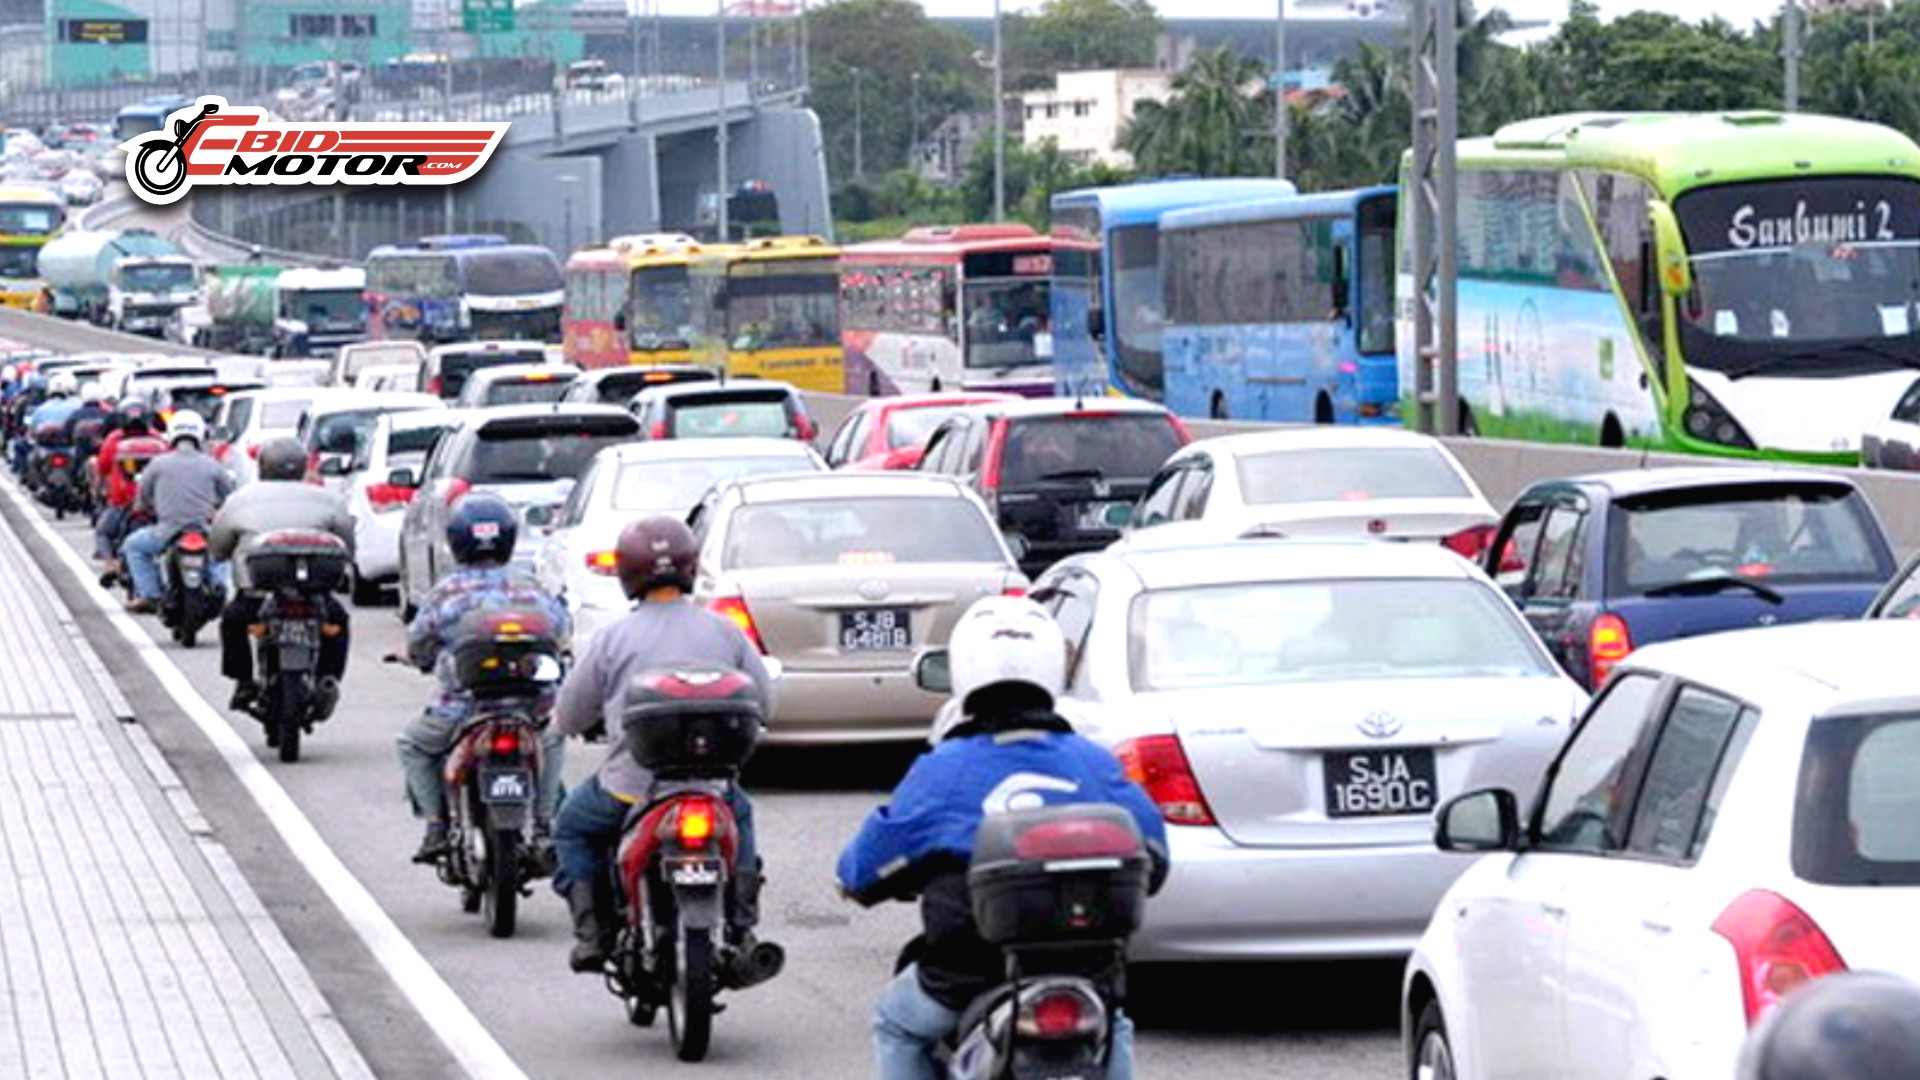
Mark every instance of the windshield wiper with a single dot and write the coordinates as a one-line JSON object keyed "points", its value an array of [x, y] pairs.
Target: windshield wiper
{"points": [[1717, 583], [1072, 474]]}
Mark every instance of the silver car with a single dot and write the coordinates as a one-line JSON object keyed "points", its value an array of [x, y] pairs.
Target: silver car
{"points": [[842, 576], [1298, 709]]}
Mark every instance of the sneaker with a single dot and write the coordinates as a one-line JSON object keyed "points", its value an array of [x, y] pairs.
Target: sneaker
{"points": [[244, 695], [434, 845], [326, 695], [141, 606]]}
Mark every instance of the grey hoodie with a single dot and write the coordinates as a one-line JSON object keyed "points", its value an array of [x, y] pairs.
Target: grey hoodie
{"points": [[265, 505]]}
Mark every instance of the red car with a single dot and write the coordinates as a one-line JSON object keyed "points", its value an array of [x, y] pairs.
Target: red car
{"points": [[892, 432]]}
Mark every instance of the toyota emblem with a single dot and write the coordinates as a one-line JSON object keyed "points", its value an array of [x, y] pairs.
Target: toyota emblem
{"points": [[874, 589], [1380, 725]]}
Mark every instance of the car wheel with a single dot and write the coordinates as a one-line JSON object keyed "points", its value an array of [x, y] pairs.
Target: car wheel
{"points": [[1432, 1052], [365, 593], [407, 609]]}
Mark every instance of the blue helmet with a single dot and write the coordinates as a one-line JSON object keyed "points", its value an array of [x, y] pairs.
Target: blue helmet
{"points": [[482, 530]]}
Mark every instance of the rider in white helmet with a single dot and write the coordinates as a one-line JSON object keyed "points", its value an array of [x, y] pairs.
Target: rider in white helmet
{"points": [[1003, 747], [182, 487]]}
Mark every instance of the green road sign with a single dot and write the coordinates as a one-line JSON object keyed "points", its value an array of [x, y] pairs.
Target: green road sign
{"points": [[486, 16]]}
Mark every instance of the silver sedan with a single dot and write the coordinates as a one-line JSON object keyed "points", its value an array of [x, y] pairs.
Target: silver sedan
{"points": [[1297, 709]]}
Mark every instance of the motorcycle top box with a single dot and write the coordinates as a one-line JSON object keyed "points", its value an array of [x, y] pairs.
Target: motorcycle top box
{"points": [[698, 723], [506, 653], [1058, 874], [303, 559]]}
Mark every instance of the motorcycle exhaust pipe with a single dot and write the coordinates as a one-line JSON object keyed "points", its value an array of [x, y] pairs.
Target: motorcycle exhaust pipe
{"points": [[760, 963]]}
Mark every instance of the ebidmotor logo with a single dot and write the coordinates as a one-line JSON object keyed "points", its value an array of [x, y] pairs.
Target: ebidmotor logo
{"points": [[214, 143]]}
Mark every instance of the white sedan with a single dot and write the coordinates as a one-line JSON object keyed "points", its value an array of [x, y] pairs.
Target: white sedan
{"points": [[1322, 481], [396, 448], [1735, 815], [628, 482], [1297, 708]]}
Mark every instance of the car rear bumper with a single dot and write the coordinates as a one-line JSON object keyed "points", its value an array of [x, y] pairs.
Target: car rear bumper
{"points": [[376, 548], [850, 706], [1227, 902]]}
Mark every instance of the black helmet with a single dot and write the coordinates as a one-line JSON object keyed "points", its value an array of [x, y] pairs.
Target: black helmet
{"points": [[1841, 1027], [135, 417], [482, 530], [653, 552], [283, 459]]}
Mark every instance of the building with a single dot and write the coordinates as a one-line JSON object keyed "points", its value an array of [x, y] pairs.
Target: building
{"points": [[944, 156], [1085, 111]]}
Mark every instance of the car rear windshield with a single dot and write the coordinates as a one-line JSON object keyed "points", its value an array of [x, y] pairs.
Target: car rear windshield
{"points": [[619, 388], [1109, 447], [1297, 476], [343, 432], [543, 448], [1856, 816], [763, 415], [861, 532], [1784, 533], [283, 414], [455, 368], [525, 392], [1323, 631], [911, 427], [201, 399], [675, 486]]}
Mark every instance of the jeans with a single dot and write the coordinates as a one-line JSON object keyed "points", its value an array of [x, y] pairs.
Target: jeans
{"points": [[236, 646], [908, 1025], [143, 549], [424, 747], [588, 828], [107, 531]]}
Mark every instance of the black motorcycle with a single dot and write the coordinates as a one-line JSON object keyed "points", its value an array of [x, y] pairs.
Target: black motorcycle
{"points": [[294, 570], [189, 598]]}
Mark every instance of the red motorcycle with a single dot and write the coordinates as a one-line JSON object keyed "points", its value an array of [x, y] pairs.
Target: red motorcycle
{"points": [[677, 862]]}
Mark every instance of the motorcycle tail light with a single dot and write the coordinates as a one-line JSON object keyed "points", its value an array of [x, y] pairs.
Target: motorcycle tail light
{"points": [[1059, 1012], [193, 542], [58, 461], [505, 743], [693, 823]]}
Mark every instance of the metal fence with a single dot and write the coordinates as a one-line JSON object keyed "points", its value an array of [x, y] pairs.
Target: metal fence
{"points": [[341, 225]]}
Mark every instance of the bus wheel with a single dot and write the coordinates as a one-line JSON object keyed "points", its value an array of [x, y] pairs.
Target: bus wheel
{"points": [[1322, 410], [1467, 426], [1217, 409], [1610, 434], [934, 387], [873, 384]]}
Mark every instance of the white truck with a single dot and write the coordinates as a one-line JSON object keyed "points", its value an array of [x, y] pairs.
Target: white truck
{"points": [[130, 279]]}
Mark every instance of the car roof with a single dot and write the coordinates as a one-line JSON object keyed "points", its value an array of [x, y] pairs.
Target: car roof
{"points": [[779, 487], [480, 418], [603, 373], [1284, 560], [422, 418], [503, 372], [294, 393], [1321, 437], [1847, 660], [349, 400], [713, 386], [941, 397], [463, 348], [1629, 482], [1019, 408], [700, 449]]}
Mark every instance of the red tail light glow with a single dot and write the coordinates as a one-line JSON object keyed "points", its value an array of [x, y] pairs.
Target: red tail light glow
{"points": [[1014, 590], [253, 451], [1084, 838], [506, 742], [58, 461], [694, 823], [1159, 765], [735, 608], [456, 488], [803, 427], [433, 385], [996, 443], [1180, 429], [1608, 643], [1063, 1013], [1470, 543], [606, 563], [388, 497], [193, 541], [658, 430], [1777, 946]]}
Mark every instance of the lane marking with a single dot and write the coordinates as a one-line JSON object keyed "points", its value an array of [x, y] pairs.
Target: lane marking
{"points": [[440, 1007]]}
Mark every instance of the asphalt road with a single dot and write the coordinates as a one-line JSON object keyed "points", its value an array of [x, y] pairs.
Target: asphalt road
{"points": [[1217, 1022]]}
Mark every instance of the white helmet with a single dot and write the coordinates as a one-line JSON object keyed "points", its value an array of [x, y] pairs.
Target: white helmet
{"points": [[62, 384], [92, 393], [186, 424], [1006, 639]]}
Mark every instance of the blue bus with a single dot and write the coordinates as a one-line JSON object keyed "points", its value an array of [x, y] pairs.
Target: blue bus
{"points": [[464, 287], [1106, 306], [1282, 309], [142, 117]]}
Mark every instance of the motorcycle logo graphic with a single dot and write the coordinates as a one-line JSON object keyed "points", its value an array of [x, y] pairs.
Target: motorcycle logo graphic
{"points": [[213, 143]]}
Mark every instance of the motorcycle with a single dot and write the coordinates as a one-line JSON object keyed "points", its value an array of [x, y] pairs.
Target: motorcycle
{"points": [[294, 569], [56, 470], [189, 598], [509, 660], [677, 858]]}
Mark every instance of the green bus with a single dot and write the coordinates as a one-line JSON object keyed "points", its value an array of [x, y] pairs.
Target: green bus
{"points": [[1743, 284]]}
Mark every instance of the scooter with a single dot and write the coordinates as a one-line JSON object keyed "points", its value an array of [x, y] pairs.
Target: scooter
{"points": [[189, 598], [295, 569]]}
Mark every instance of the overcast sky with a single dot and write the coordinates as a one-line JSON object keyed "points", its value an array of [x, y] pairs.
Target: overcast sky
{"points": [[1739, 12]]}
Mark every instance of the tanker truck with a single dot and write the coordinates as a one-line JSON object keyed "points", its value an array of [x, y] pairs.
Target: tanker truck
{"points": [[132, 279], [262, 308]]}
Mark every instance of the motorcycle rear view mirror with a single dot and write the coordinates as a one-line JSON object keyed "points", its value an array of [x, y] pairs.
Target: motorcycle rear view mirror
{"points": [[547, 670], [932, 672]]}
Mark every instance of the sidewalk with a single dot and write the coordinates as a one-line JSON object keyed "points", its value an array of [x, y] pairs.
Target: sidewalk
{"points": [[130, 946]]}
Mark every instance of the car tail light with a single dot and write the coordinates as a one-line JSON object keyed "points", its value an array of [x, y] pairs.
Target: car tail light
{"points": [[433, 385], [1470, 543], [990, 470], [1777, 947], [457, 487], [735, 608], [1060, 1012], [388, 497], [1014, 590], [1608, 643], [1180, 429], [803, 427], [658, 430], [1510, 560], [1159, 766], [506, 742], [605, 563], [253, 451]]}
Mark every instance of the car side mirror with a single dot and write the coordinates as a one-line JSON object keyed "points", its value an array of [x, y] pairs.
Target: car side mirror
{"points": [[1484, 820], [1117, 516], [932, 672], [336, 464], [540, 516], [1676, 273], [403, 478]]}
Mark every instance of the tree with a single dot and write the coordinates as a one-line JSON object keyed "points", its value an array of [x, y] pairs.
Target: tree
{"points": [[1079, 35], [1217, 122], [900, 63], [1033, 176]]}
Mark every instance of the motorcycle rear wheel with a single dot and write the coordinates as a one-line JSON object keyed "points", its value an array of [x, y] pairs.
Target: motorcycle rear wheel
{"points": [[500, 899], [690, 1002], [286, 720]]}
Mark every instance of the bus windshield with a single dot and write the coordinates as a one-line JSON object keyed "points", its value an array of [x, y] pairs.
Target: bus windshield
{"points": [[412, 275], [18, 262], [785, 308], [1796, 276], [660, 309], [29, 219], [1003, 318], [512, 273], [1138, 315], [132, 125]]}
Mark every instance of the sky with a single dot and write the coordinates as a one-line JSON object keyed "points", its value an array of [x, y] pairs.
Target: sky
{"points": [[1738, 12]]}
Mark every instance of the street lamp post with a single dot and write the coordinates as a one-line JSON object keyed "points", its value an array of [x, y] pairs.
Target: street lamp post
{"points": [[859, 130], [1280, 118], [720, 127], [1790, 45], [913, 147], [999, 123]]}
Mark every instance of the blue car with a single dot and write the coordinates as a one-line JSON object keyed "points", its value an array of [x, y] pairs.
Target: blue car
{"points": [[1604, 563]]}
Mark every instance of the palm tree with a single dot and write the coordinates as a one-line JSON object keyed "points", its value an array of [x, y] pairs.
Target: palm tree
{"points": [[1213, 124]]}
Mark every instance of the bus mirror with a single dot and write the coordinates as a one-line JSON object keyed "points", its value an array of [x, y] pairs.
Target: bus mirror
{"points": [[1096, 323], [620, 321], [1676, 274]]}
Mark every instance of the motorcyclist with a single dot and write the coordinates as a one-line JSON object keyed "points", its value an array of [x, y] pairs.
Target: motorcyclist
{"points": [[93, 406], [62, 401], [280, 499], [480, 534], [1004, 745], [1849, 1026], [182, 487], [656, 559], [133, 436]]}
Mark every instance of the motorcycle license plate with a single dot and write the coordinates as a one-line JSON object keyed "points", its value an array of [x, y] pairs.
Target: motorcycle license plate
{"points": [[506, 785], [694, 873], [297, 633]]}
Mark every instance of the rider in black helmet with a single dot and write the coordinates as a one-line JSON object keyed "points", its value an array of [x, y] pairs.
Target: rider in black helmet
{"points": [[1859, 1025]]}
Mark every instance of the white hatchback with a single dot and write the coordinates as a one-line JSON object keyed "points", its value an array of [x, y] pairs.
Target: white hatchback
{"points": [[1735, 814], [395, 448]]}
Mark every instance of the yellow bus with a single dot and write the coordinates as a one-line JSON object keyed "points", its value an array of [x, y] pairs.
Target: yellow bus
{"points": [[629, 303], [770, 308], [29, 217]]}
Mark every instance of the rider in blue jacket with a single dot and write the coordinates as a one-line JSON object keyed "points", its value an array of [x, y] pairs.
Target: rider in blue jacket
{"points": [[1005, 748]]}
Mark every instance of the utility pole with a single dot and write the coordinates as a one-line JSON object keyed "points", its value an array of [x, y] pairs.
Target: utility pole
{"points": [[999, 121], [720, 127], [1790, 47], [859, 130], [1280, 118], [1433, 191], [913, 145]]}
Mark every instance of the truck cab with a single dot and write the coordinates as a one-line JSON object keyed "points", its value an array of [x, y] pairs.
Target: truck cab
{"points": [[318, 311], [144, 291]]}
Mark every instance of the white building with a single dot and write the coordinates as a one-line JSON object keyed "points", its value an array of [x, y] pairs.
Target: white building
{"points": [[1085, 111]]}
